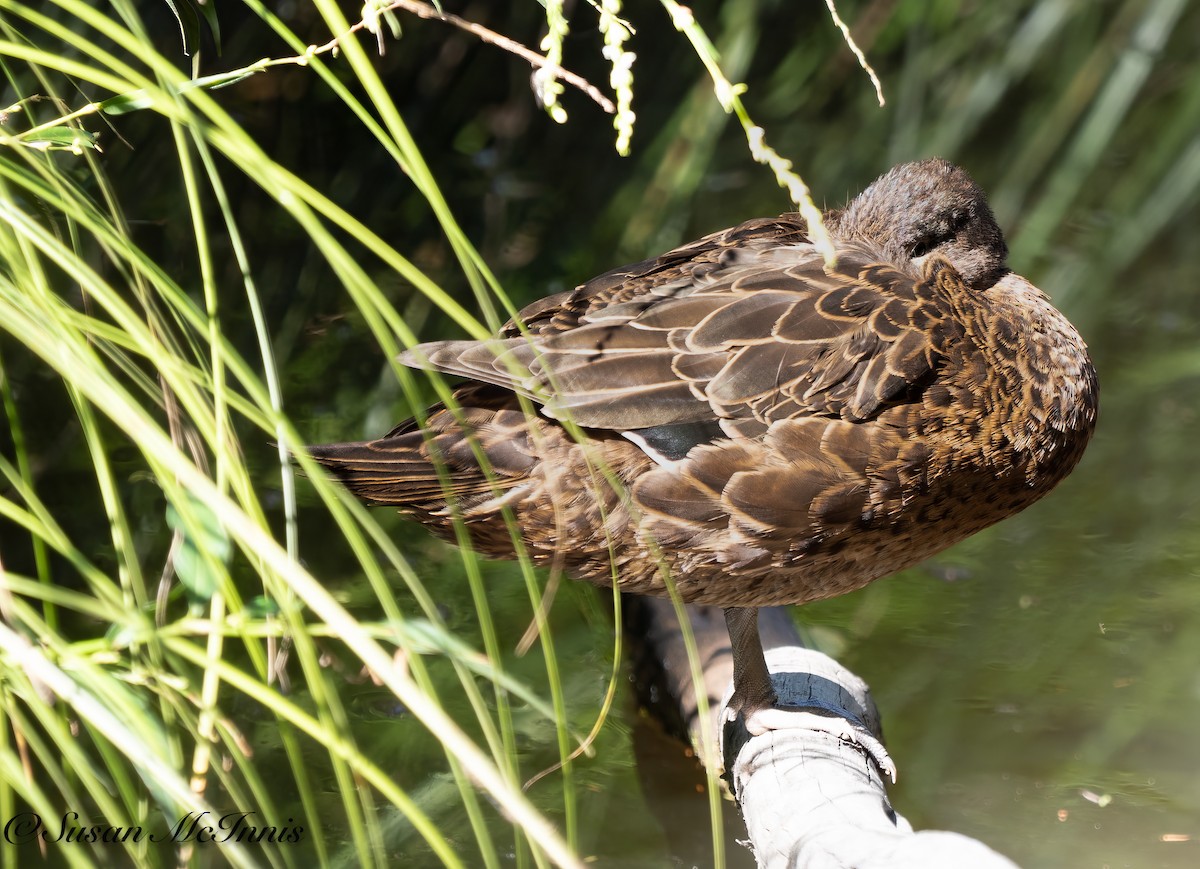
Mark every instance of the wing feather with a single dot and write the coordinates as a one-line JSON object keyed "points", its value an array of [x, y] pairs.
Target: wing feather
{"points": [[746, 327]]}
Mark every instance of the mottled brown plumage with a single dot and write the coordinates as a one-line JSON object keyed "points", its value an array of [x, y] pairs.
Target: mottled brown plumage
{"points": [[769, 429]]}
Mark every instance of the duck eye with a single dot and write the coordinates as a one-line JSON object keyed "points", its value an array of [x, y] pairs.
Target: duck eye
{"points": [[923, 247]]}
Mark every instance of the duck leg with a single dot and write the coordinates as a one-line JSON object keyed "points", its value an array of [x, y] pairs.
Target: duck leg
{"points": [[752, 689], [756, 703]]}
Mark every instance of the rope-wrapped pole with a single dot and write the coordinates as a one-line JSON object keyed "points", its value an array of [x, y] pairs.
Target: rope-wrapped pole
{"points": [[813, 795]]}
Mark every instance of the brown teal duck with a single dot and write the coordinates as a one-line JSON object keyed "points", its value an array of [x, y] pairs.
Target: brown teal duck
{"points": [[765, 428]]}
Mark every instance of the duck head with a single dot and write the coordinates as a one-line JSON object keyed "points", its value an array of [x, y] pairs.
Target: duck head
{"points": [[927, 208]]}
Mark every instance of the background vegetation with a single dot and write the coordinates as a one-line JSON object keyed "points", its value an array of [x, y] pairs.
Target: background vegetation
{"points": [[187, 626]]}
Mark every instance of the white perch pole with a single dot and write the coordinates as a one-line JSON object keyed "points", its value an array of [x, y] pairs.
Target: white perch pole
{"points": [[813, 796]]}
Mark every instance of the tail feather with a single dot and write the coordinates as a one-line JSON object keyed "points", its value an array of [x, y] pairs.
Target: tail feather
{"points": [[387, 471], [423, 469]]}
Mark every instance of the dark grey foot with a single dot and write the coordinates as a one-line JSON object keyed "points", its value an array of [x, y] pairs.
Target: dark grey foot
{"points": [[752, 688], [755, 703]]}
